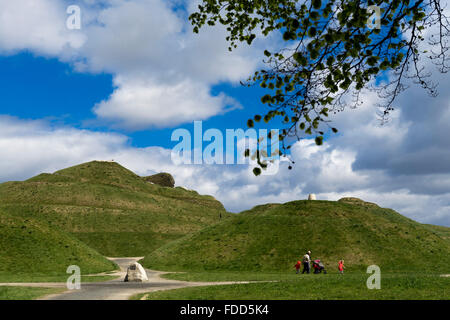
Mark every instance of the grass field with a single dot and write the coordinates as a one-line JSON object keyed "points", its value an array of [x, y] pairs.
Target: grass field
{"points": [[443, 232], [271, 238], [12, 278], [25, 293], [79, 215], [30, 248], [394, 286]]}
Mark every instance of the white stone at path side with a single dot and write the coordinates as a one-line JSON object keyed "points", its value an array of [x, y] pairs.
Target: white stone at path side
{"points": [[136, 273]]}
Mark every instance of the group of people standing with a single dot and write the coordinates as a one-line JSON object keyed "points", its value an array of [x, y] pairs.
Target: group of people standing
{"points": [[307, 264]]}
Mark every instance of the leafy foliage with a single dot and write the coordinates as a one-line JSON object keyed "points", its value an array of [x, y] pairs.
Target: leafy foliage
{"points": [[331, 53]]}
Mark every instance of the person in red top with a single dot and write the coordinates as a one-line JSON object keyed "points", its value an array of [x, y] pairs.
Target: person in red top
{"points": [[341, 266], [297, 266]]}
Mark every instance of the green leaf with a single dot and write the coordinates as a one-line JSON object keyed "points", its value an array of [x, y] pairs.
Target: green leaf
{"points": [[319, 140], [317, 4], [300, 58], [314, 15], [266, 98], [256, 171]]}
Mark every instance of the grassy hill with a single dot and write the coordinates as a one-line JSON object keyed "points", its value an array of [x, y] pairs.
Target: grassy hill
{"points": [[110, 208], [30, 247], [443, 232], [272, 237]]}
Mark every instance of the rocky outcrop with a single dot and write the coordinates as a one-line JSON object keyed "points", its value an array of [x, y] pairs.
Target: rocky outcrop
{"points": [[163, 179], [136, 273]]}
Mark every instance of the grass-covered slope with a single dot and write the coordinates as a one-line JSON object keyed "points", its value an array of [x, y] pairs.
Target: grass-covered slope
{"points": [[443, 232], [272, 237], [110, 208], [33, 248]]}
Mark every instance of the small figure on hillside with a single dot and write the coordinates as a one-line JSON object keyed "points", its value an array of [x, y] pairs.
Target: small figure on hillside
{"points": [[341, 266], [306, 262], [297, 266]]}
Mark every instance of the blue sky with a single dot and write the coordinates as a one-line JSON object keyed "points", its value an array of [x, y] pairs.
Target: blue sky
{"points": [[44, 88], [37, 87], [119, 86]]}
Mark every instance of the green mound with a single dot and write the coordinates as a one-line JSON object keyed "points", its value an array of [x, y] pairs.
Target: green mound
{"points": [[30, 247], [441, 231], [273, 236], [163, 179], [110, 208], [357, 201]]}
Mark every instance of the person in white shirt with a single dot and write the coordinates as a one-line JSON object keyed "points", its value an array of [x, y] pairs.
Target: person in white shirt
{"points": [[306, 262]]}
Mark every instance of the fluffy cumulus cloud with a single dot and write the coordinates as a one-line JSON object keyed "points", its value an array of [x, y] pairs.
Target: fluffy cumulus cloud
{"points": [[137, 105], [160, 67], [163, 72], [38, 26]]}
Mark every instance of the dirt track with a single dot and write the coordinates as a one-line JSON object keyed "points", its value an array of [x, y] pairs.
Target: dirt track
{"points": [[117, 289]]}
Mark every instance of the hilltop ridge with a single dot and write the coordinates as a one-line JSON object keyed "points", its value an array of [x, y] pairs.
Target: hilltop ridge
{"points": [[110, 208], [272, 237]]}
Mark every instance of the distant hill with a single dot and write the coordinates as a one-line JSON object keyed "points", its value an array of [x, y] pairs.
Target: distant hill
{"points": [[443, 232], [273, 237], [30, 247], [110, 208]]}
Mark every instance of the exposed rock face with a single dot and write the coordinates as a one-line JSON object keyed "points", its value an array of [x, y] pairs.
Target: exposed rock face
{"points": [[312, 196], [163, 179], [136, 273]]}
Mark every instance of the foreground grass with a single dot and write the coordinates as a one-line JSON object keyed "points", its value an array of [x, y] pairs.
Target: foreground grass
{"points": [[231, 276], [25, 293], [8, 278], [315, 287], [30, 246]]}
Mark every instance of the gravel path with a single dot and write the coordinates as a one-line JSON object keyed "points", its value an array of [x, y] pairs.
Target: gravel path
{"points": [[118, 289]]}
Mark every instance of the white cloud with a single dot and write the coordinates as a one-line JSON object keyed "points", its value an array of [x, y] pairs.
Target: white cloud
{"points": [[38, 26], [160, 67], [137, 105]]}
